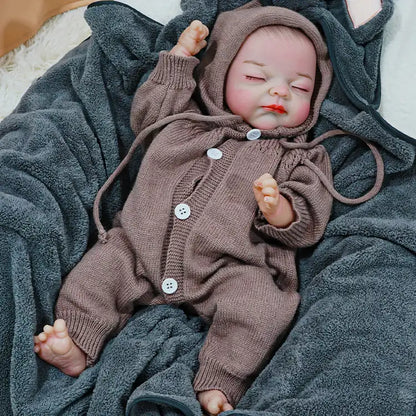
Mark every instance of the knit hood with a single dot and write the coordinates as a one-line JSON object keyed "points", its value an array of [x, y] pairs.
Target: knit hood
{"points": [[227, 36]]}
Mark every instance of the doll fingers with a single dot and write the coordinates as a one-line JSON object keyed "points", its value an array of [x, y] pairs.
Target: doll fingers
{"points": [[200, 29], [270, 202], [270, 182], [197, 30], [265, 180], [205, 31], [258, 194], [195, 24], [200, 45], [269, 191]]}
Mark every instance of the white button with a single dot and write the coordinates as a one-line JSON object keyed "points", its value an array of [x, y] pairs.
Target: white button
{"points": [[169, 286], [214, 153], [182, 211], [253, 134]]}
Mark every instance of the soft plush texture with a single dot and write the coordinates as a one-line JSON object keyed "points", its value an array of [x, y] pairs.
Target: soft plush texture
{"points": [[351, 349], [29, 61]]}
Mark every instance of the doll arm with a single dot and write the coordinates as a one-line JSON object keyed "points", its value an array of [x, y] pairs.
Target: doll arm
{"points": [[167, 91], [170, 86], [308, 198]]}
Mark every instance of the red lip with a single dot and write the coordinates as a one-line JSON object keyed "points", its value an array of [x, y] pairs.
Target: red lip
{"points": [[276, 108]]}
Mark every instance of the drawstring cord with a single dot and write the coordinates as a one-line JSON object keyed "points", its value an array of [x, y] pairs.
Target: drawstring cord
{"points": [[332, 133], [102, 233]]}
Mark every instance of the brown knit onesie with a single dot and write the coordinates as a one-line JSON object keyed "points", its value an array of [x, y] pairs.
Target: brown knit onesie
{"points": [[190, 231]]}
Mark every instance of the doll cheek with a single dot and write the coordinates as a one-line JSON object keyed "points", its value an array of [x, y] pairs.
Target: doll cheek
{"points": [[239, 101], [303, 111]]}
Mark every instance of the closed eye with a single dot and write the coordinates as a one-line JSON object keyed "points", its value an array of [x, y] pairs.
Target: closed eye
{"points": [[251, 78], [300, 88]]}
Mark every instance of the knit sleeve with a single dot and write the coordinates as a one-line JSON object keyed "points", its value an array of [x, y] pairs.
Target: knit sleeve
{"points": [[167, 91], [310, 200]]}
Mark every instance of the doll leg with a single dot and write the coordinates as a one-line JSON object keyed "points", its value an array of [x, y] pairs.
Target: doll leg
{"points": [[251, 314], [95, 301]]}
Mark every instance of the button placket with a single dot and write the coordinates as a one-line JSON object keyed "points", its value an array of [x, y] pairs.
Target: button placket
{"points": [[173, 264]]}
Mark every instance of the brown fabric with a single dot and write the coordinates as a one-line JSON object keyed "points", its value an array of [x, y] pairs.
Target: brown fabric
{"points": [[231, 267], [21, 19], [329, 186], [211, 73]]}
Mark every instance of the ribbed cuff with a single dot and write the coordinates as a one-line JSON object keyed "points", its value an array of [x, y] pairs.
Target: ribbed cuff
{"points": [[290, 236], [174, 71], [213, 376], [88, 334]]}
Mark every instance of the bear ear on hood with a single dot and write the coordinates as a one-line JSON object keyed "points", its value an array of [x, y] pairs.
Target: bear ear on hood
{"points": [[227, 36]]}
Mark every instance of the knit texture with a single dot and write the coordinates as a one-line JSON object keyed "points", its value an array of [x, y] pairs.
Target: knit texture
{"points": [[350, 349], [221, 256]]}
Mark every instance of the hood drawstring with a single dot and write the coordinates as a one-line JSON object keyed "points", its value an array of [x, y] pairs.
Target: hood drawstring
{"points": [[102, 233], [332, 133]]}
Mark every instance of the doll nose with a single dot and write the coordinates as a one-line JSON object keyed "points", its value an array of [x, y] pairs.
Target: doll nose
{"points": [[279, 90]]}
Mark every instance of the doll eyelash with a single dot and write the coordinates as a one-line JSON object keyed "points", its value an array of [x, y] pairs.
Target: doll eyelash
{"points": [[251, 78], [300, 89]]}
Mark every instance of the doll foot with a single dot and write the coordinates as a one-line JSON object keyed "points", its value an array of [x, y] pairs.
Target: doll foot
{"points": [[213, 402], [55, 346]]}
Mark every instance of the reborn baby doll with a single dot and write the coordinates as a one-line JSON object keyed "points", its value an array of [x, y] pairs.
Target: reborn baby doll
{"points": [[220, 203]]}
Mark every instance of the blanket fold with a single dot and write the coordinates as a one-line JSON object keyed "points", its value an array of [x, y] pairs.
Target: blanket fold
{"points": [[351, 349]]}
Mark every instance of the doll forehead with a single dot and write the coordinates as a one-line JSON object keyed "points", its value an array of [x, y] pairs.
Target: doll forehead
{"points": [[266, 38], [277, 33], [288, 48]]}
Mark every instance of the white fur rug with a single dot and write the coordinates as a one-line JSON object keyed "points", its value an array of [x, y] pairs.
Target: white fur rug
{"points": [[20, 67], [60, 34]]}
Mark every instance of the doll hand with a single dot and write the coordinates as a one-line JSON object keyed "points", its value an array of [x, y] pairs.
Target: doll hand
{"points": [[192, 40], [267, 195], [276, 208]]}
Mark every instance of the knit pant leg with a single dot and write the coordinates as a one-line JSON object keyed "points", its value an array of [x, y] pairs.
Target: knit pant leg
{"points": [[251, 315], [98, 295]]}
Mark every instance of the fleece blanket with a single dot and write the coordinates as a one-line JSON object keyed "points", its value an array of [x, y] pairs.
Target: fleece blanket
{"points": [[351, 350]]}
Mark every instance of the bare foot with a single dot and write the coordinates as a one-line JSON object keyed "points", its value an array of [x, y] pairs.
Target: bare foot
{"points": [[214, 402], [55, 346]]}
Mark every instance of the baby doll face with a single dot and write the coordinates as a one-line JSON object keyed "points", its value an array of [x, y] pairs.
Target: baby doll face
{"points": [[270, 82]]}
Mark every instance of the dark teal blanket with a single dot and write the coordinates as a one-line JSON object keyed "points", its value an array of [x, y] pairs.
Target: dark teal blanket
{"points": [[352, 348]]}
